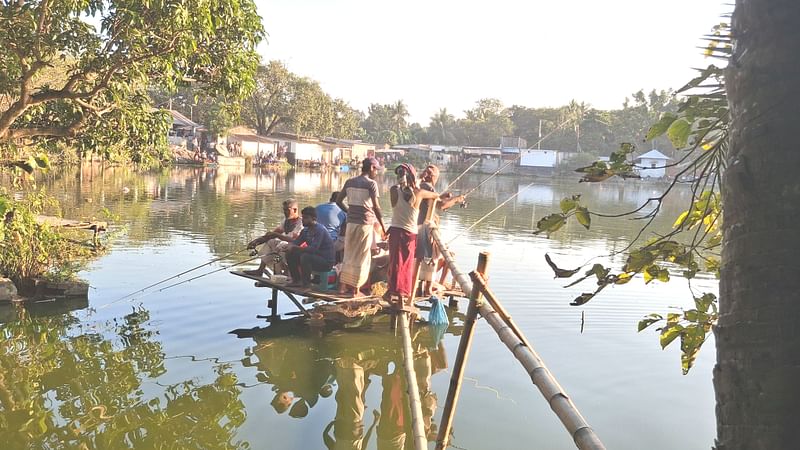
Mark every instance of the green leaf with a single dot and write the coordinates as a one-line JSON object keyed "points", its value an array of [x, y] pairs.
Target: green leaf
{"points": [[582, 299], [668, 334], [704, 302], [582, 214], [550, 223], [649, 320], [559, 272], [5, 205], [661, 126], [42, 160], [568, 204], [678, 132]]}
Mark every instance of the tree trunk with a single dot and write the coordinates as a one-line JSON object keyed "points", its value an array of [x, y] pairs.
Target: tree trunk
{"points": [[757, 376]]}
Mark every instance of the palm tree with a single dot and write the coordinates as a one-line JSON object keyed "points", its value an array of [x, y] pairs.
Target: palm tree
{"points": [[574, 114], [398, 113], [440, 130]]}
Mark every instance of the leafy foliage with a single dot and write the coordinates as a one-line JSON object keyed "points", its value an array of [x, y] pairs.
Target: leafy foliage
{"points": [[100, 102], [699, 128], [692, 326], [100, 378], [30, 249]]}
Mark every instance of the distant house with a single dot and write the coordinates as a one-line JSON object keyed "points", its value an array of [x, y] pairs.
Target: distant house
{"points": [[349, 149], [183, 129], [420, 151], [539, 161], [252, 144], [652, 164]]}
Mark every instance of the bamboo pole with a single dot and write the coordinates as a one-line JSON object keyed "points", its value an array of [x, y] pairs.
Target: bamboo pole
{"points": [[417, 424], [582, 434], [464, 345]]}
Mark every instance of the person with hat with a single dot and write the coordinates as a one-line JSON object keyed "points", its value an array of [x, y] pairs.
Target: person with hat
{"points": [[363, 210]]}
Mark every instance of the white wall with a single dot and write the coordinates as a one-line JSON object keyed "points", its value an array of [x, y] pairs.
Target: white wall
{"points": [[538, 158], [652, 173], [307, 152]]}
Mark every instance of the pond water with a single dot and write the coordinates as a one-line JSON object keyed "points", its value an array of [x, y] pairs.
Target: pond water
{"points": [[194, 367]]}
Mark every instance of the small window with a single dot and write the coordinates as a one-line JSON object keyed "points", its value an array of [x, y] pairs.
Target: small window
{"points": [[652, 165]]}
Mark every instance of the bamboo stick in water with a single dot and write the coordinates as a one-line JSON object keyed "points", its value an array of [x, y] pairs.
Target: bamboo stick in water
{"points": [[582, 434], [464, 346], [417, 425]]}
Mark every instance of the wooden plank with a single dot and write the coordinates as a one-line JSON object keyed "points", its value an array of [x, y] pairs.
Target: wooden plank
{"points": [[307, 292]]}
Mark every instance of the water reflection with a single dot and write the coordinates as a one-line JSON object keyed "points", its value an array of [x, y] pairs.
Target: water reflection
{"points": [[71, 384], [178, 218], [302, 366]]}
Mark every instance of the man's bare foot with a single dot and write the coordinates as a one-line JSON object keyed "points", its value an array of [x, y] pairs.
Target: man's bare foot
{"points": [[254, 272]]}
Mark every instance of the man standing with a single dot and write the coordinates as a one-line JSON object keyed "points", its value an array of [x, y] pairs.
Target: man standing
{"points": [[426, 259], [274, 248], [316, 255], [362, 211]]}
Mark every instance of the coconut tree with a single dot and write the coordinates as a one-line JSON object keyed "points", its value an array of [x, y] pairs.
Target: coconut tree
{"points": [[575, 113], [440, 130]]}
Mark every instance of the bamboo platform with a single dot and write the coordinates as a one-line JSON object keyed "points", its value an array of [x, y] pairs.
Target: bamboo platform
{"points": [[346, 307]]}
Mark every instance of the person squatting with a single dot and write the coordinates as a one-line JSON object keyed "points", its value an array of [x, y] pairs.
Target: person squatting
{"points": [[348, 234]]}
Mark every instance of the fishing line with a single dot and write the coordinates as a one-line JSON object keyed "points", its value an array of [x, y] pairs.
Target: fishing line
{"points": [[184, 281], [179, 275], [462, 174], [512, 161], [489, 213]]}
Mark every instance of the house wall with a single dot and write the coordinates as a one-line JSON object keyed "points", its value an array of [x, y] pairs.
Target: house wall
{"points": [[304, 151], [652, 173], [361, 151], [539, 158]]}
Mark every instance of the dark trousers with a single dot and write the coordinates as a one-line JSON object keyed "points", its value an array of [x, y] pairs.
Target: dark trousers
{"points": [[302, 263]]}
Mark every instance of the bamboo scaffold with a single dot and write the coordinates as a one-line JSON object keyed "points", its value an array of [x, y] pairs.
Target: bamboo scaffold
{"points": [[417, 424], [582, 434]]}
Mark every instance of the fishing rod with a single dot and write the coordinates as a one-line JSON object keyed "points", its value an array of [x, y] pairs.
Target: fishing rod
{"points": [[179, 275], [184, 281], [462, 174], [209, 273], [490, 213], [512, 161]]}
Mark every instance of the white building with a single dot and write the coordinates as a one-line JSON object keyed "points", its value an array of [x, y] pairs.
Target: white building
{"points": [[652, 164], [539, 160]]}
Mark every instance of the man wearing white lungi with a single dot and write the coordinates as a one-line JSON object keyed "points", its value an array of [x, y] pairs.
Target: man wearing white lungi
{"points": [[362, 211]]}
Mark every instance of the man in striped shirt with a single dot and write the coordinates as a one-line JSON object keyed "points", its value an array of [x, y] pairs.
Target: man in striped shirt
{"points": [[363, 210]]}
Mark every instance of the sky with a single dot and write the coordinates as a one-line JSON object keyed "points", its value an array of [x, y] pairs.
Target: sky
{"points": [[437, 54]]}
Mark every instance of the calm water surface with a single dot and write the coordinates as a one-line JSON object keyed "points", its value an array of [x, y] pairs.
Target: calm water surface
{"points": [[194, 367]]}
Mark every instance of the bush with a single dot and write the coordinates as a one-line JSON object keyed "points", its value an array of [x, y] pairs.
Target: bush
{"points": [[30, 249]]}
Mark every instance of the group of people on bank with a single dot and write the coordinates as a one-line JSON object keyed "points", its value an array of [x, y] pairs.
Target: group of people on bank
{"points": [[349, 232]]}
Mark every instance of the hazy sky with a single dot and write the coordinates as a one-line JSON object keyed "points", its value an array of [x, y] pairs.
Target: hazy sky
{"points": [[449, 53]]}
